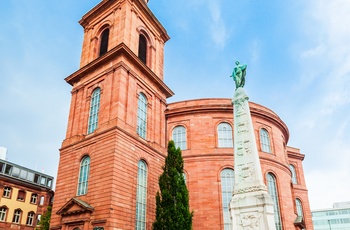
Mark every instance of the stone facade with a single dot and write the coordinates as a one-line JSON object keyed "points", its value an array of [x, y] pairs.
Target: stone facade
{"points": [[25, 195], [115, 146], [204, 159]]}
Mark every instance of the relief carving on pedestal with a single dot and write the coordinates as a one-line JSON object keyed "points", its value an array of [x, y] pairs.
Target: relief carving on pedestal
{"points": [[250, 189], [247, 173], [250, 221]]}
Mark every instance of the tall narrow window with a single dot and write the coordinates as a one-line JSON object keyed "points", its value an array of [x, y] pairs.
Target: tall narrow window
{"points": [[84, 176], [94, 109], [42, 200], [33, 198], [299, 207], [141, 196], [142, 48], [142, 116], [38, 218], [3, 213], [294, 174], [225, 135], [104, 42], [272, 188], [265, 141], [30, 218], [179, 137], [7, 192], [17, 216], [227, 182]]}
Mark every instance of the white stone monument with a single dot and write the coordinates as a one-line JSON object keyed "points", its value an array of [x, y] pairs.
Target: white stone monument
{"points": [[251, 207]]}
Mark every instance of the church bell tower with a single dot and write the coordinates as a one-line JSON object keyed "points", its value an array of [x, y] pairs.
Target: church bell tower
{"points": [[115, 142]]}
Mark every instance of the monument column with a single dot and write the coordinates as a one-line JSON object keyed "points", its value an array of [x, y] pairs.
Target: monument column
{"points": [[251, 207]]}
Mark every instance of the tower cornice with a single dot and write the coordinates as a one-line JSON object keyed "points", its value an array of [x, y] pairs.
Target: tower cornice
{"points": [[123, 50]]}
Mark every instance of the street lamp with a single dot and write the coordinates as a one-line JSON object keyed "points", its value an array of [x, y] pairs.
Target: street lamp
{"points": [[329, 223]]}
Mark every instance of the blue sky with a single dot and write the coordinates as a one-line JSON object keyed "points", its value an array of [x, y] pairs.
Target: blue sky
{"points": [[297, 52]]}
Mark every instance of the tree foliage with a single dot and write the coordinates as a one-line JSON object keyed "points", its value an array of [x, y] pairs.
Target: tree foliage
{"points": [[44, 223], [172, 211]]}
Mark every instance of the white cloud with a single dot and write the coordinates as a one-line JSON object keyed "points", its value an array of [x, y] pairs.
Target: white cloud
{"points": [[218, 29], [323, 123], [328, 187], [315, 51]]}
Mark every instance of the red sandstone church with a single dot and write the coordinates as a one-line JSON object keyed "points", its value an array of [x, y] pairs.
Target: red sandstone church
{"points": [[120, 123]]}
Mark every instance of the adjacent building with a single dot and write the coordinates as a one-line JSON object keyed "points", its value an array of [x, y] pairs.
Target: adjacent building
{"points": [[120, 123], [25, 196], [336, 218]]}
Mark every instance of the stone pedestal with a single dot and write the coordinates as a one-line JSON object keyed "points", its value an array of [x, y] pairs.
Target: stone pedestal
{"points": [[251, 207]]}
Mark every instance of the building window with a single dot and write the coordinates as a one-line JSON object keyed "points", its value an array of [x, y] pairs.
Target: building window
{"points": [[179, 137], [33, 198], [7, 192], [265, 141], [17, 216], [142, 48], [30, 218], [272, 188], [8, 169], [225, 135], [42, 199], [299, 207], [294, 174], [227, 182], [21, 195], [104, 42], [3, 213], [142, 116], [84, 176], [38, 218], [94, 109], [141, 196]]}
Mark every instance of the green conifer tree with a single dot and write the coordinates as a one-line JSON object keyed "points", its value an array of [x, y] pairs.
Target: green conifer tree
{"points": [[45, 220], [172, 211]]}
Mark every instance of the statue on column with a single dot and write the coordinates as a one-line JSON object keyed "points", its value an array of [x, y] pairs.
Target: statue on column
{"points": [[238, 75]]}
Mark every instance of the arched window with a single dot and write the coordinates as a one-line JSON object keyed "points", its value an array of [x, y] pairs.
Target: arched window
{"points": [[17, 216], [104, 42], [143, 48], [179, 137], [3, 211], [299, 207], [225, 135], [142, 116], [30, 218], [141, 196], [42, 200], [272, 188], [294, 174], [94, 109], [7, 192], [83, 175], [227, 182], [265, 141], [33, 198], [38, 218]]}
